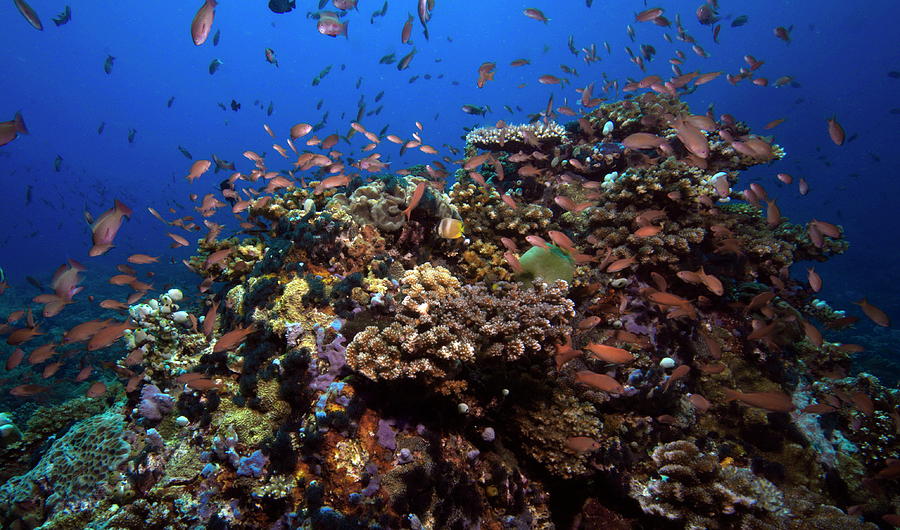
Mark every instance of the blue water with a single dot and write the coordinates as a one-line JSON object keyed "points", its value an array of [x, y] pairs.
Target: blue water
{"points": [[839, 57]]}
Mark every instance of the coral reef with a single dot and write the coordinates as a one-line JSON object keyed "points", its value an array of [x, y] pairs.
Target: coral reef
{"points": [[609, 336]]}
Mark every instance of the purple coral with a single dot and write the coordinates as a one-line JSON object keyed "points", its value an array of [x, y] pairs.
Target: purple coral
{"points": [[252, 466], [334, 352], [154, 404]]}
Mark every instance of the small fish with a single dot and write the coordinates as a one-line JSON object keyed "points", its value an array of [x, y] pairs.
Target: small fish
{"points": [[101, 127], [30, 15], [329, 24], [404, 62], [170, 102], [783, 33], [97, 389], [599, 381], [474, 109], [407, 29], [815, 281], [141, 259], [835, 131], [520, 62], [450, 228], [28, 389], [203, 21], [739, 21], [270, 57], [216, 37], [108, 64], [57, 163], [536, 14], [771, 401], [485, 73], [232, 339], [214, 65], [186, 153], [235, 106], [875, 314], [131, 134], [63, 17], [417, 195], [648, 15], [610, 354], [198, 168]]}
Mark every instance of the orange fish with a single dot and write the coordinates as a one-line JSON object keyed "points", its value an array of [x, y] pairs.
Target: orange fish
{"points": [[122, 279], [569, 205], [84, 373], [198, 168], [582, 444], [11, 129], [818, 408], [141, 259], [621, 264], [647, 231], [835, 131], [485, 73], [699, 402], [85, 330], [299, 130], [178, 240], [815, 281], [232, 339], [648, 15], [203, 22], [771, 401], [22, 335], [15, 358], [610, 354], [106, 227], [414, 201], [108, 335], [599, 381], [30, 15], [536, 14], [27, 390], [42, 353], [98, 388], [678, 373], [548, 79], [407, 29], [875, 314], [329, 24], [331, 182]]}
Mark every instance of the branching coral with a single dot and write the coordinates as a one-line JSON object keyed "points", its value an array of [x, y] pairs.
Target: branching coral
{"points": [[442, 328]]}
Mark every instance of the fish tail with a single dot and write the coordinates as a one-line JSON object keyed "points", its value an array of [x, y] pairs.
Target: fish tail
{"points": [[124, 210], [20, 124]]}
